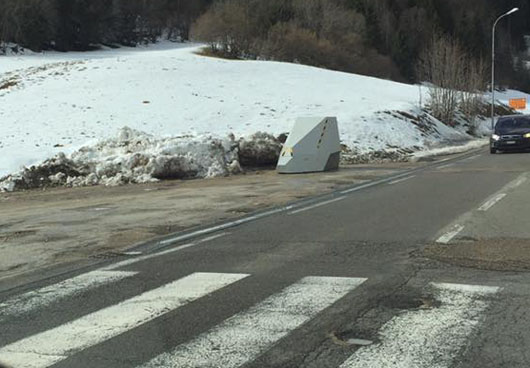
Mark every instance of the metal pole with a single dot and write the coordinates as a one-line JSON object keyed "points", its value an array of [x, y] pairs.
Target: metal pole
{"points": [[493, 65], [493, 75]]}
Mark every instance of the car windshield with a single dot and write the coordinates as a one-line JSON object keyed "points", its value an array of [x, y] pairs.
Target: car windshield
{"points": [[514, 123]]}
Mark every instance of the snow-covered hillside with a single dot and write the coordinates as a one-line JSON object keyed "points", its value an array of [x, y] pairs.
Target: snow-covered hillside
{"points": [[505, 97], [56, 102]]}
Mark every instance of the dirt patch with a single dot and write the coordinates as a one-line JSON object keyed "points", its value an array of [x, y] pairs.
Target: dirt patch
{"points": [[8, 84], [109, 220], [128, 237], [508, 254]]}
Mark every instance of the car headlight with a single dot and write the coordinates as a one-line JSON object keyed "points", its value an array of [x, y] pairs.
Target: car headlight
{"points": [[495, 137], [527, 135]]}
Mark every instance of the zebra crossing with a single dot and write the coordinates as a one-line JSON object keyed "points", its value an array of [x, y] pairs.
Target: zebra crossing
{"points": [[428, 337]]}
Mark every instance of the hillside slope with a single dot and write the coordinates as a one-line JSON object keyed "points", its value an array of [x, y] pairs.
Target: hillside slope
{"points": [[60, 102]]}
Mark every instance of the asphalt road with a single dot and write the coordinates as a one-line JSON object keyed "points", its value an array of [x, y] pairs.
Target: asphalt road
{"points": [[341, 282]]}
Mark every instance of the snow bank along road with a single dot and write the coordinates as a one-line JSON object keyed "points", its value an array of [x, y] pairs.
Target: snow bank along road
{"points": [[343, 284]]}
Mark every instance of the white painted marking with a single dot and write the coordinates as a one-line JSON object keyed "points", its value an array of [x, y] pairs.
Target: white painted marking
{"points": [[492, 202], [213, 237], [517, 182], [472, 158], [317, 205], [224, 226], [129, 262], [50, 347], [430, 337], [447, 237], [50, 294], [402, 180], [246, 335], [361, 342], [132, 254], [445, 166], [373, 183]]}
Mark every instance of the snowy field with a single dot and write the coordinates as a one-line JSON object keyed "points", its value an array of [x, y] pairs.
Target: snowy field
{"points": [[52, 103]]}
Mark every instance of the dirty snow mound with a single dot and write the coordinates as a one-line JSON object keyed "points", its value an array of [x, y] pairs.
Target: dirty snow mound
{"points": [[260, 149], [137, 157]]}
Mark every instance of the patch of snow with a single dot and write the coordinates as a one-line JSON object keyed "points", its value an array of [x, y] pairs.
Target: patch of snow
{"points": [[505, 97], [71, 103], [450, 150]]}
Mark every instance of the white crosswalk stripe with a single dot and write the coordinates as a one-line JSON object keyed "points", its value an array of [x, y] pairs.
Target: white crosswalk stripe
{"points": [[241, 338], [52, 346], [45, 296], [430, 337], [427, 338]]}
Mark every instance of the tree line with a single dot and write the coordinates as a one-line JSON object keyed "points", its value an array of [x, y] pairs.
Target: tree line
{"points": [[81, 25], [383, 38]]}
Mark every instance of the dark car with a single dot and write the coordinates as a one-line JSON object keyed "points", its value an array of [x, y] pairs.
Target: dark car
{"points": [[511, 133]]}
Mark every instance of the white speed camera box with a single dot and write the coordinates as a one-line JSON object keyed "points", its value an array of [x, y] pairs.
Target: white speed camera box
{"points": [[312, 146]]}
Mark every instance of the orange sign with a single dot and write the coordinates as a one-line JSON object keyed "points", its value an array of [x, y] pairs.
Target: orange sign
{"points": [[518, 103]]}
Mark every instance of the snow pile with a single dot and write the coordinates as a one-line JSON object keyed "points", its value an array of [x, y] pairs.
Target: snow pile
{"points": [[449, 150], [261, 149], [506, 95], [137, 157]]}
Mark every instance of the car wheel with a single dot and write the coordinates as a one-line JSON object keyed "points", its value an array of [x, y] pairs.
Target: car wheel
{"points": [[493, 151]]}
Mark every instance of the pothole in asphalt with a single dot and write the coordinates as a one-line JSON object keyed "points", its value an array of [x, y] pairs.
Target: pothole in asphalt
{"points": [[407, 302], [501, 254]]}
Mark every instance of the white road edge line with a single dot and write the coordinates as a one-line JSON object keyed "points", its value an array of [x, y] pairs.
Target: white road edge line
{"points": [[246, 335], [428, 337], [223, 226], [492, 202], [320, 204], [402, 180], [48, 295], [129, 262], [447, 237], [55, 345]]}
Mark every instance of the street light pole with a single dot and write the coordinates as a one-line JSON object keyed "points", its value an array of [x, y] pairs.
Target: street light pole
{"points": [[493, 65]]}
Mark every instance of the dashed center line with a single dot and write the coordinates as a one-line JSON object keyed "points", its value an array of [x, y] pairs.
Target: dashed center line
{"points": [[129, 262], [402, 180], [492, 202], [518, 182]]}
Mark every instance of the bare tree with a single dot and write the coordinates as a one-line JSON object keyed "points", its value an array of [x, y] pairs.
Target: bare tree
{"points": [[457, 80], [472, 90], [442, 64]]}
